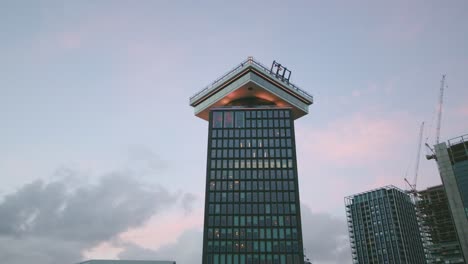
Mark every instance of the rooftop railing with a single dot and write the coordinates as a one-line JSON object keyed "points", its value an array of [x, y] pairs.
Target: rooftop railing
{"points": [[458, 140], [258, 65]]}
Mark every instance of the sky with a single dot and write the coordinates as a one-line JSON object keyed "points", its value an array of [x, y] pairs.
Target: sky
{"points": [[101, 155]]}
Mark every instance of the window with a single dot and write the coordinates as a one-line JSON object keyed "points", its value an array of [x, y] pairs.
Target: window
{"points": [[217, 119], [228, 120], [240, 120]]}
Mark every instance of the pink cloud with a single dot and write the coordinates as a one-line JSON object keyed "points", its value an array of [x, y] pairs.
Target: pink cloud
{"points": [[105, 250], [164, 229], [353, 140], [350, 155], [356, 93], [463, 111], [70, 40], [160, 230]]}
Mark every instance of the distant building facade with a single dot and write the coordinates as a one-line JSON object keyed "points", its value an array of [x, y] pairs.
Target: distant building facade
{"points": [[436, 220], [383, 227], [109, 261], [452, 160]]}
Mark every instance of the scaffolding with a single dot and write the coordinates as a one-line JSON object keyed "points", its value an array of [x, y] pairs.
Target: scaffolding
{"points": [[437, 227]]}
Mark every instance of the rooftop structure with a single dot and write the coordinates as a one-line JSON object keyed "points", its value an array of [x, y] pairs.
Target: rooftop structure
{"points": [[250, 80]]}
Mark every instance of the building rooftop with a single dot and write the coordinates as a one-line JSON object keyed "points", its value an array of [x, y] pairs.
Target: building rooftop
{"points": [[249, 80], [458, 140], [388, 187]]}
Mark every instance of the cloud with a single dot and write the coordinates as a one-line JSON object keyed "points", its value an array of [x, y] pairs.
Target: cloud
{"points": [[40, 250], [325, 237], [164, 229], [352, 154], [145, 159], [356, 93], [353, 139], [463, 111], [70, 40], [187, 249], [188, 200], [325, 240], [53, 222]]}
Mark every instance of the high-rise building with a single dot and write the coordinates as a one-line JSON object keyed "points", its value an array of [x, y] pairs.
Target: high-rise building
{"points": [[436, 221], [383, 227], [452, 160], [252, 209]]}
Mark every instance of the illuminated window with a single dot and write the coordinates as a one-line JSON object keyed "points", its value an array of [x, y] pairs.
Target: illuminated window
{"points": [[228, 120]]}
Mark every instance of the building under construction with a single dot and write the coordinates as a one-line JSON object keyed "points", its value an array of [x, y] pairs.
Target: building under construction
{"points": [[440, 236], [452, 160]]}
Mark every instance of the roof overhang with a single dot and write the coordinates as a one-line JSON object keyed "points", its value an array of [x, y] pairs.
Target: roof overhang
{"points": [[251, 79]]}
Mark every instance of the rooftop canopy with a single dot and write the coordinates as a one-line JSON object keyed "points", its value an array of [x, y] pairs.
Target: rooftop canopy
{"points": [[251, 83]]}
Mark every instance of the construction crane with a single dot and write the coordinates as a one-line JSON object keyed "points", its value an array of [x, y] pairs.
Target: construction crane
{"points": [[439, 119], [416, 167]]}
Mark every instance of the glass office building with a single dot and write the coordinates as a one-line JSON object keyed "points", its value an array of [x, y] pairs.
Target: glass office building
{"points": [[252, 209], [383, 227], [458, 153]]}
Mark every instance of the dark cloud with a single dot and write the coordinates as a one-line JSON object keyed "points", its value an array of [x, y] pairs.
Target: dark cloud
{"points": [[325, 237], [52, 222], [40, 250], [188, 200]]}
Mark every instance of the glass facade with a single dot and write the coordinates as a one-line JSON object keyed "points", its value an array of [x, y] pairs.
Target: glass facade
{"points": [[252, 212], [452, 160], [459, 158], [383, 228]]}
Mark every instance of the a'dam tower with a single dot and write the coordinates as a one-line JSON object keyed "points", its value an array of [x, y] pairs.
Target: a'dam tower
{"points": [[252, 208]]}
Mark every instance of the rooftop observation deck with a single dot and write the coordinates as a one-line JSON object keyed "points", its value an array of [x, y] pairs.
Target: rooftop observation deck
{"points": [[251, 79]]}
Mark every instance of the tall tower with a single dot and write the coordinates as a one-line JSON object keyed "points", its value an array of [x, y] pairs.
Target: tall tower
{"points": [[383, 227], [252, 209]]}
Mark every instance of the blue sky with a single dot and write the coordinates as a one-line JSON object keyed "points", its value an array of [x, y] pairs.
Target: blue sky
{"points": [[89, 88]]}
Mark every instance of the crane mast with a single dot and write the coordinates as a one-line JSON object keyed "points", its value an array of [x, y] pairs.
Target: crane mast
{"points": [[412, 185], [439, 117], [418, 155]]}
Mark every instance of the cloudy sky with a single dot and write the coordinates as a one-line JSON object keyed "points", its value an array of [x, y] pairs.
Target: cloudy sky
{"points": [[102, 157]]}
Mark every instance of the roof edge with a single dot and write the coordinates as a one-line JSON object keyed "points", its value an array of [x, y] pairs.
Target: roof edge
{"points": [[250, 62]]}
